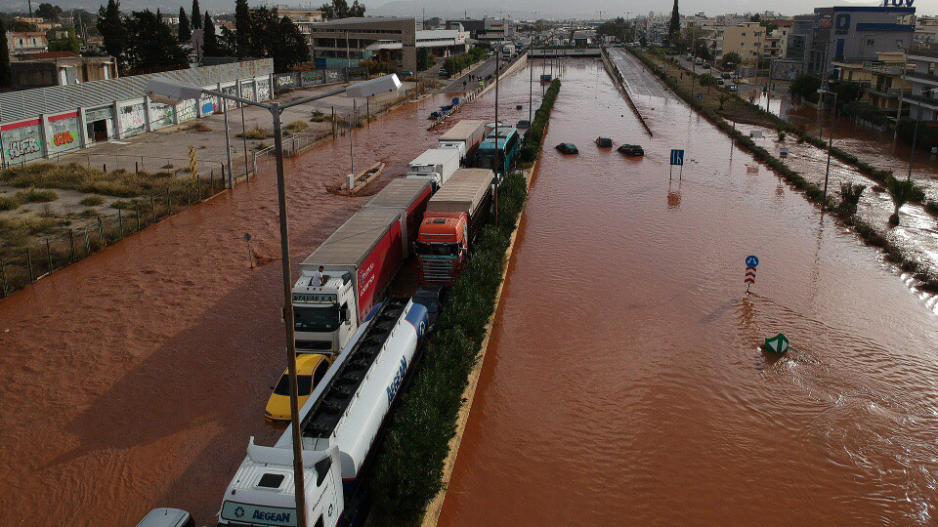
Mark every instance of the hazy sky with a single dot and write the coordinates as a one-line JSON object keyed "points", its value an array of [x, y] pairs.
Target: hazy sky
{"points": [[612, 8]]}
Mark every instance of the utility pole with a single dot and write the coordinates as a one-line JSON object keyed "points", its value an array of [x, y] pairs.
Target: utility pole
{"points": [[224, 108], [912, 154], [830, 145], [530, 90], [895, 133], [497, 75]]}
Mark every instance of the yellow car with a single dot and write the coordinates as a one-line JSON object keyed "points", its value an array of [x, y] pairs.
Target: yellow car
{"points": [[310, 369]]}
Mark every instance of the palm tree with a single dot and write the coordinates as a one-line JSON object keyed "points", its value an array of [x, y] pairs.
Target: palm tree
{"points": [[850, 195], [901, 192]]}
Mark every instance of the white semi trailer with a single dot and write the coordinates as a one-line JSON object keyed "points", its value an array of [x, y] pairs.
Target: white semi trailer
{"points": [[339, 424]]}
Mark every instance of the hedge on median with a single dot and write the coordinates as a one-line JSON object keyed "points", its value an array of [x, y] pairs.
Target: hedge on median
{"points": [[534, 137], [408, 468]]}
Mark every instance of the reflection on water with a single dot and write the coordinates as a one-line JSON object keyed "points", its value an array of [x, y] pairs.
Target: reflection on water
{"points": [[624, 383]]}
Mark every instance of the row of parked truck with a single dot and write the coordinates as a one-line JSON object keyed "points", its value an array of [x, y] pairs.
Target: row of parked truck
{"points": [[341, 311]]}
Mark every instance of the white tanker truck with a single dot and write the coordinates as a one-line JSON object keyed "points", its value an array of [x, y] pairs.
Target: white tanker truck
{"points": [[339, 424]]}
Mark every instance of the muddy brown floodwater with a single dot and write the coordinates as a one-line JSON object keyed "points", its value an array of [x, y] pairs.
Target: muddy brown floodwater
{"points": [[623, 385], [133, 379]]}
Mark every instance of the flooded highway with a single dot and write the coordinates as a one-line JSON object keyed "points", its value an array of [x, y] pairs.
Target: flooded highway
{"points": [[624, 384], [134, 378]]}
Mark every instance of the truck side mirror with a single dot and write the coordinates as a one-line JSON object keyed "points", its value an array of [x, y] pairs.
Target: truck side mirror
{"points": [[322, 468]]}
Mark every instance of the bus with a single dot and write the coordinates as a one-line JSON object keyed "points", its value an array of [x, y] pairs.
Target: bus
{"points": [[508, 147]]}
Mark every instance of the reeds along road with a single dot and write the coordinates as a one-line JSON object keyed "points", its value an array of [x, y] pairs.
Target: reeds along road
{"points": [[134, 378], [624, 385]]}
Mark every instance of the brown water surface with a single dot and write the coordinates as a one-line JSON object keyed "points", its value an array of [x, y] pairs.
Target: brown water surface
{"points": [[624, 384]]}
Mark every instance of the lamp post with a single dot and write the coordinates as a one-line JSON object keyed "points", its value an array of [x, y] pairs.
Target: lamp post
{"points": [[165, 90], [830, 143]]}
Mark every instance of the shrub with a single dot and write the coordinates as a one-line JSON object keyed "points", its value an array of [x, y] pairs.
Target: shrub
{"points": [[256, 134], [9, 203], [37, 196], [850, 196], [296, 127], [92, 201]]}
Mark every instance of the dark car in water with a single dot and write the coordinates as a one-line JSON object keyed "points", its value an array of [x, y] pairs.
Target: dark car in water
{"points": [[632, 150], [567, 148], [604, 142]]}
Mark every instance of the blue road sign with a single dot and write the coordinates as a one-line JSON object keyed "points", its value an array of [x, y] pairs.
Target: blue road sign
{"points": [[752, 261], [677, 157]]}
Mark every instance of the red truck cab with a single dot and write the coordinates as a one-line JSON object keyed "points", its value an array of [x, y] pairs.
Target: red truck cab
{"points": [[442, 247]]}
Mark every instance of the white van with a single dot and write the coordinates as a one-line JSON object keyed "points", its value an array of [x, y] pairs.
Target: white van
{"points": [[167, 517]]}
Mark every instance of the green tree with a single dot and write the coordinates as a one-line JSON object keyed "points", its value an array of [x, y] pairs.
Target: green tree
{"points": [[19, 26], [806, 87], [356, 9], [289, 47], [196, 15], [423, 59], [153, 47], [674, 27], [210, 46], [111, 26], [243, 29], [49, 11], [730, 60], [6, 76], [185, 34], [69, 43]]}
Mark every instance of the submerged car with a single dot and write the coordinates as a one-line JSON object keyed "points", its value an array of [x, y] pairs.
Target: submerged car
{"points": [[432, 298], [632, 150], [604, 142], [567, 148], [310, 369]]}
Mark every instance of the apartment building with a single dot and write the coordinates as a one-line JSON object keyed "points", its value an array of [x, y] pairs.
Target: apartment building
{"points": [[922, 77]]}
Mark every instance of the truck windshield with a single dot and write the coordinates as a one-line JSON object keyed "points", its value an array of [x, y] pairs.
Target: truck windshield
{"points": [[325, 318], [437, 249]]}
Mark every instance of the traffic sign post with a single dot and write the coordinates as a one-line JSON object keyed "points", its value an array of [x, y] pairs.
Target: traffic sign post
{"points": [[777, 344], [677, 159], [752, 262]]}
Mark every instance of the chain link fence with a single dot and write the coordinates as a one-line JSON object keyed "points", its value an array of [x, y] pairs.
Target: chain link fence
{"points": [[26, 260]]}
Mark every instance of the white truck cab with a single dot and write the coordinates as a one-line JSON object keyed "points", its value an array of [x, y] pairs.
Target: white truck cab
{"points": [[324, 313], [262, 492]]}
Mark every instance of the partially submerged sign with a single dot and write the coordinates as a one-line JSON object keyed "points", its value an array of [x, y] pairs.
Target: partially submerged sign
{"points": [[777, 344]]}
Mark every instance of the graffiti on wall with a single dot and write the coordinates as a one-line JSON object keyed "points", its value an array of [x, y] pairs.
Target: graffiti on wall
{"points": [[161, 115], [64, 133], [22, 142], [207, 104], [133, 120], [187, 110], [247, 91], [263, 90]]}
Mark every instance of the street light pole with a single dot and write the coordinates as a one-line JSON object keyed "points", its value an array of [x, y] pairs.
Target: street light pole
{"points": [[830, 144], [244, 143], [912, 153], [497, 70], [530, 89], [175, 92], [299, 477], [224, 108]]}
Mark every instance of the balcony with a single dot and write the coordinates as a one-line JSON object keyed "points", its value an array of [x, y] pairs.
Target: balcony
{"points": [[918, 100], [915, 51], [888, 94], [922, 78]]}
